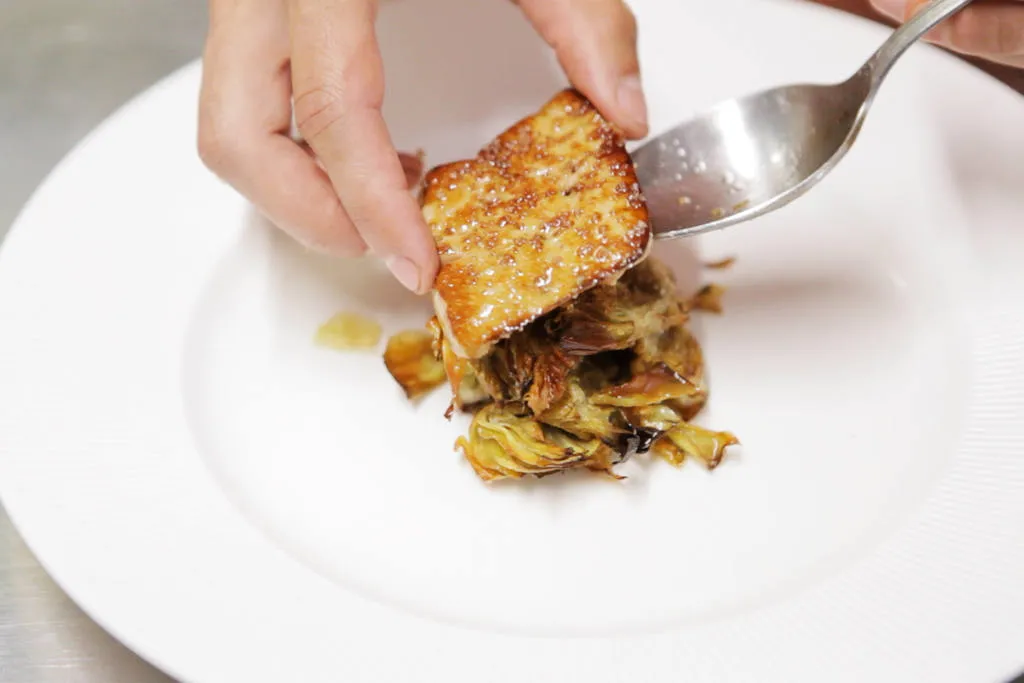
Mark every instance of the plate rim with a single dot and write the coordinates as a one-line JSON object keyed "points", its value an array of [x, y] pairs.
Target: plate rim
{"points": [[6, 249]]}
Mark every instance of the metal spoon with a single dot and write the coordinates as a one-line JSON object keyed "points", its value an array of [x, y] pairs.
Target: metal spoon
{"points": [[752, 155]]}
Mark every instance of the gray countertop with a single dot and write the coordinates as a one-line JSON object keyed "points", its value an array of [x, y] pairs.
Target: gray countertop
{"points": [[64, 66]]}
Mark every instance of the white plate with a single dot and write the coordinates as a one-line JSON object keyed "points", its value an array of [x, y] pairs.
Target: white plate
{"points": [[239, 505]]}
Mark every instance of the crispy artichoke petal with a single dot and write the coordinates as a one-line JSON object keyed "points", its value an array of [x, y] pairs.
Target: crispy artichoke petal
{"points": [[502, 444], [658, 418], [676, 348], [410, 359], [576, 414], [708, 298], [653, 385], [687, 439]]}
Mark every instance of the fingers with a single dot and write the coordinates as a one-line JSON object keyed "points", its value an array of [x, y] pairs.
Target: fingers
{"points": [[991, 30], [244, 118], [596, 44], [412, 165], [338, 85]]}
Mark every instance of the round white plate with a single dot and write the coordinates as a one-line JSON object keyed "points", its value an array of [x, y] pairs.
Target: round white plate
{"points": [[237, 504]]}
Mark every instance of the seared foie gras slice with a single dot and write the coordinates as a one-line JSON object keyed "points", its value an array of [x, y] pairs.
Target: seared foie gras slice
{"points": [[548, 210]]}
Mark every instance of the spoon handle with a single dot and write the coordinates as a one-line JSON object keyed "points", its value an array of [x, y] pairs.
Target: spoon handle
{"points": [[906, 35]]}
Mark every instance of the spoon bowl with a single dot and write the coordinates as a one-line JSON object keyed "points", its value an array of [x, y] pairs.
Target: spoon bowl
{"points": [[752, 155]]}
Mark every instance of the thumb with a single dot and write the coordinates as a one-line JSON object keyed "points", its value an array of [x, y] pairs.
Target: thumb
{"points": [[991, 30], [595, 41]]}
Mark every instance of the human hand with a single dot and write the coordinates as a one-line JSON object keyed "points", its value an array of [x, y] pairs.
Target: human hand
{"points": [[346, 189], [991, 30]]}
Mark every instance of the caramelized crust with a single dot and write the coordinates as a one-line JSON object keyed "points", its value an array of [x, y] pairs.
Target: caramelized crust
{"points": [[548, 210]]}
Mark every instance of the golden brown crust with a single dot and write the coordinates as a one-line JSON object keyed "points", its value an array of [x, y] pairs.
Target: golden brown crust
{"points": [[411, 360], [549, 209]]}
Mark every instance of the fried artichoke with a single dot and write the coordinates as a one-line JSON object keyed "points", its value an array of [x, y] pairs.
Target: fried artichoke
{"points": [[411, 359], [612, 374]]}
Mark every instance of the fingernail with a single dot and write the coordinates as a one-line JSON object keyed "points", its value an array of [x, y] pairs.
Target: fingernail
{"points": [[894, 9], [405, 271], [630, 96]]}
